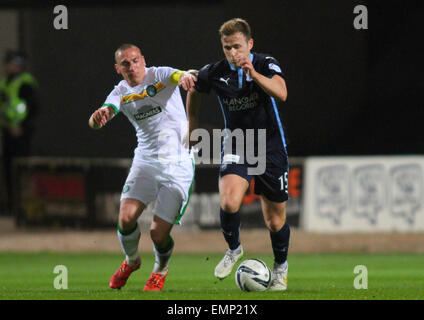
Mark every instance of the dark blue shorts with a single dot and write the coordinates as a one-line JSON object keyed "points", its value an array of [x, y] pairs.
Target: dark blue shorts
{"points": [[273, 183]]}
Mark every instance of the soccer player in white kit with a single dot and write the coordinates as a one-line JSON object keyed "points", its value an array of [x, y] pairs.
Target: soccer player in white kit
{"points": [[162, 169]]}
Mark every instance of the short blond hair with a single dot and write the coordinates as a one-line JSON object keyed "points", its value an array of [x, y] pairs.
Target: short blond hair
{"points": [[233, 26]]}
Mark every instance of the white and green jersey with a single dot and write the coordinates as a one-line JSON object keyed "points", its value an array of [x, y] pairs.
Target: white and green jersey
{"points": [[156, 110]]}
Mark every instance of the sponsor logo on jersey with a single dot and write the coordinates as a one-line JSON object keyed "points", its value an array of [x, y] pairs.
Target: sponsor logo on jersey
{"points": [[224, 80], [274, 67], [243, 103], [147, 114], [150, 91]]}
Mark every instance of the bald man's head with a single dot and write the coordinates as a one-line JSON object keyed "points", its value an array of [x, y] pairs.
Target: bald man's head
{"points": [[130, 64], [124, 47]]}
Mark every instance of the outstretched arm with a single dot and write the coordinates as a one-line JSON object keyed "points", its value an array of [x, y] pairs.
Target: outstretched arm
{"points": [[187, 79], [100, 117], [192, 106]]}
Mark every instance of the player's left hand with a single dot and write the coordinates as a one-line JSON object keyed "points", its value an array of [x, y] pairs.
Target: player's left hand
{"points": [[187, 81], [246, 65]]}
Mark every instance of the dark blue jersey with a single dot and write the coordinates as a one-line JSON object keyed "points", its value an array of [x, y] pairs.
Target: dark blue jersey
{"points": [[243, 103]]}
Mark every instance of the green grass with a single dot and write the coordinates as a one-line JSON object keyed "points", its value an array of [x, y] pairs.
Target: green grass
{"points": [[312, 276]]}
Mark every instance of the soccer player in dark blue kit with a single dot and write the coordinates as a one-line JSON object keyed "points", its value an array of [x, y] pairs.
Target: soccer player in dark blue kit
{"points": [[250, 86]]}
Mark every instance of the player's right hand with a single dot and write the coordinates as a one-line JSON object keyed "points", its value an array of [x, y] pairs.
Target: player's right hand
{"points": [[100, 117]]}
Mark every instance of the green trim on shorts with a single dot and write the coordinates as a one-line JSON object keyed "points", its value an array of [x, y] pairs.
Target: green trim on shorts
{"points": [[177, 220], [115, 109]]}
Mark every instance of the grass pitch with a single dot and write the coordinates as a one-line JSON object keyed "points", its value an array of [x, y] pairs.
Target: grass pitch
{"points": [[30, 276]]}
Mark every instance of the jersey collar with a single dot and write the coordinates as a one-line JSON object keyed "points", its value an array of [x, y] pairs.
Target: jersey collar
{"points": [[236, 68], [239, 71]]}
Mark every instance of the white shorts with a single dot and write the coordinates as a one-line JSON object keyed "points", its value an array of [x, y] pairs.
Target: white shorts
{"points": [[169, 185]]}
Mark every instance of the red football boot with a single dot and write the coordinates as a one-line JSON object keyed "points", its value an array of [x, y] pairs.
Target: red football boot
{"points": [[120, 277], [155, 282]]}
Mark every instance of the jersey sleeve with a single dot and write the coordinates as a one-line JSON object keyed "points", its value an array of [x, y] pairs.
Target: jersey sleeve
{"points": [[272, 67], [168, 75], [203, 83], [114, 100]]}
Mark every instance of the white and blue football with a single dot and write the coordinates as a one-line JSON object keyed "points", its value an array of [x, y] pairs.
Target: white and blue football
{"points": [[253, 275]]}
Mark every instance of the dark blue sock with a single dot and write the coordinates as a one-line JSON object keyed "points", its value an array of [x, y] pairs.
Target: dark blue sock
{"points": [[280, 243], [230, 227]]}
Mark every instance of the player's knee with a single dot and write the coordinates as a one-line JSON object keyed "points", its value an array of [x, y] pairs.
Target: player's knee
{"points": [[127, 218], [275, 223], [230, 207], [275, 226], [129, 212], [229, 203], [127, 221]]}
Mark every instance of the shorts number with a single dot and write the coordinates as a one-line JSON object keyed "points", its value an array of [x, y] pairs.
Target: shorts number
{"points": [[284, 182]]}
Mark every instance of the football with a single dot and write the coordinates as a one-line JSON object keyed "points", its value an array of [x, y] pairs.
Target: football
{"points": [[253, 275]]}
